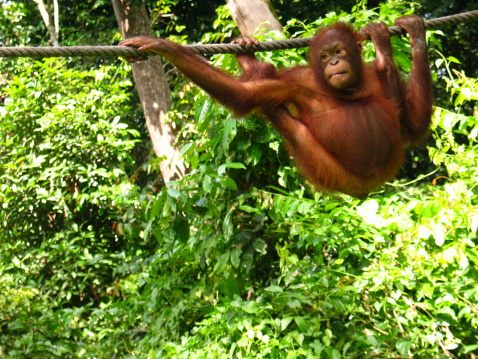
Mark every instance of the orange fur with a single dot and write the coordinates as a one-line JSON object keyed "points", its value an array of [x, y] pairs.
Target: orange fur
{"points": [[345, 123]]}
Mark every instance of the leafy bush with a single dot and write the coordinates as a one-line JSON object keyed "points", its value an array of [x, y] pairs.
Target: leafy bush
{"points": [[64, 152]]}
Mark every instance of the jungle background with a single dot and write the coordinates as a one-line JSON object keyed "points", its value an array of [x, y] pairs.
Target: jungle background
{"points": [[101, 256]]}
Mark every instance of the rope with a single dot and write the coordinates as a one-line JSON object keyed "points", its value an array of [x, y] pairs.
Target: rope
{"points": [[208, 49]]}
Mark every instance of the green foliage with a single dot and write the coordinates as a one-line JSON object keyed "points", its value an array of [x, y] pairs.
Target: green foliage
{"points": [[64, 152], [14, 26], [238, 259], [61, 130]]}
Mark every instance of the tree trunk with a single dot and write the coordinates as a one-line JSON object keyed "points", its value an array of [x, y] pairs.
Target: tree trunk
{"points": [[153, 89], [249, 14], [53, 27]]}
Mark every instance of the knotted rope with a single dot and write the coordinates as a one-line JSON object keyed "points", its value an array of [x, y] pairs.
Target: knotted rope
{"points": [[207, 49]]}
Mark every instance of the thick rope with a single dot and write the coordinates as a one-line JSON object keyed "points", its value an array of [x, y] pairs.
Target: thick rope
{"points": [[208, 49]]}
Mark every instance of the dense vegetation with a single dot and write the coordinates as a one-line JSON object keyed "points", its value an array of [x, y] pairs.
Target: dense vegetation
{"points": [[238, 259]]}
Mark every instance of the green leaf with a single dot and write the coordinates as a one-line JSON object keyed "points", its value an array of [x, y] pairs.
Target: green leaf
{"points": [[448, 312], [181, 227], [222, 262], [207, 184], [284, 323], [152, 354], [251, 307], [294, 304], [229, 183], [243, 342], [333, 353], [255, 155], [157, 206], [16, 261], [274, 289], [174, 192], [403, 346], [229, 133], [235, 165], [229, 287], [249, 209], [301, 324], [227, 226], [470, 348], [186, 148], [201, 114], [222, 168], [337, 303], [236, 257]]}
